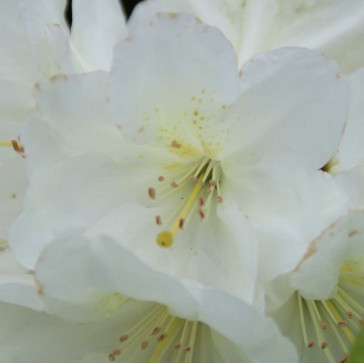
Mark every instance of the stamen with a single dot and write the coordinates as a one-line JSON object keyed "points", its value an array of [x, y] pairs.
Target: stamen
{"points": [[201, 213], [160, 347], [123, 338], [151, 193], [302, 319], [116, 351], [17, 146], [206, 171]]}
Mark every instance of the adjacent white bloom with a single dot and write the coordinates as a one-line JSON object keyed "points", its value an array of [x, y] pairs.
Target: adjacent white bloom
{"points": [[326, 307], [36, 43], [253, 26], [193, 154], [152, 316]]}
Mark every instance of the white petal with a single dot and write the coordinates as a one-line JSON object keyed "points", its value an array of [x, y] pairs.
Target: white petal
{"points": [[317, 274], [16, 102], [16, 61], [227, 16], [292, 105], [219, 252], [17, 285], [351, 151], [76, 107], [333, 27], [63, 199], [94, 266], [29, 336], [352, 183], [12, 190], [97, 25], [93, 270], [171, 69], [286, 207], [257, 335], [48, 36]]}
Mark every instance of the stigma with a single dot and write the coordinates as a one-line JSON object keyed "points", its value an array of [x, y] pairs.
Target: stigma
{"points": [[157, 337], [334, 323], [195, 189]]}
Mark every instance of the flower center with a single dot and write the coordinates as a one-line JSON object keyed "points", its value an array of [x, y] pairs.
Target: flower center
{"points": [[168, 338], [199, 188], [340, 317]]}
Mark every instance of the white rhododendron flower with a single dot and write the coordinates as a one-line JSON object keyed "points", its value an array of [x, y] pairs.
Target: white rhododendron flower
{"points": [[159, 318], [38, 44], [195, 152], [326, 307], [254, 26]]}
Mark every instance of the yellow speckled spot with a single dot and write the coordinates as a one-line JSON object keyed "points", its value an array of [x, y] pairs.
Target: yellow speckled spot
{"points": [[165, 239], [172, 166]]}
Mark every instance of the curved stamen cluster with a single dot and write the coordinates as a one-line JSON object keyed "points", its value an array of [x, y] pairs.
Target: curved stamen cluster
{"points": [[196, 186], [166, 337], [341, 317]]}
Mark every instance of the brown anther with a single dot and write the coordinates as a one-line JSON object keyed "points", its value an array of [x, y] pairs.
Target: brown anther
{"points": [[175, 144], [341, 324], [124, 337], [349, 314], [151, 193], [201, 182], [174, 185], [212, 182], [219, 199], [201, 213], [162, 337], [323, 325], [116, 351], [17, 147], [344, 358], [177, 345], [201, 201], [156, 330], [158, 220], [193, 178], [208, 190], [161, 178], [111, 357], [324, 345], [311, 343], [144, 344], [187, 349], [181, 223]]}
